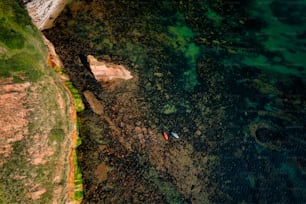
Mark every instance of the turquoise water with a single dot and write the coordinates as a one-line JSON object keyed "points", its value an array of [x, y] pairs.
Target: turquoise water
{"points": [[228, 78]]}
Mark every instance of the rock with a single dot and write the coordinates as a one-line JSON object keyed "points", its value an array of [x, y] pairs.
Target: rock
{"points": [[44, 12], [158, 74], [138, 123], [185, 129], [94, 103], [159, 87], [138, 130], [101, 172], [198, 132], [153, 126], [105, 71], [53, 59], [145, 130], [37, 194]]}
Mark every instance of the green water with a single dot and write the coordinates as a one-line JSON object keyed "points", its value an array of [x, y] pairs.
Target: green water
{"points": [[281, 39], [228, 78]]}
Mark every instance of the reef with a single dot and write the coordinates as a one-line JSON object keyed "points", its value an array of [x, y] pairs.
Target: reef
{"points": [[209, 71]]}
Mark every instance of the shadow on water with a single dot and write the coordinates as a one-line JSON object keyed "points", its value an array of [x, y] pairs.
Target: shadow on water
{"points": [[228, 78]]}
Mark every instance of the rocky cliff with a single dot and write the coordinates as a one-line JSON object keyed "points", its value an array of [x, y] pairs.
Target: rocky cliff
{"points": [[44, 12], [37, 115]]}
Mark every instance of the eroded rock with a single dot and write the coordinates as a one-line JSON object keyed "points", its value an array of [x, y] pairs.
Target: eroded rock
{"points": [[53, 58], [105, 71], [44, 12], [95, 105]]}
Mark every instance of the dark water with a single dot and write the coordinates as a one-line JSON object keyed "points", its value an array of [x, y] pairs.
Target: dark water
{"points": [[227, 77]]}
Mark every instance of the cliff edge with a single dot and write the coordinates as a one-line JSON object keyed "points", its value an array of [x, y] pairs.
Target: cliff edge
{"points": [[44, 12], [36, 113]]}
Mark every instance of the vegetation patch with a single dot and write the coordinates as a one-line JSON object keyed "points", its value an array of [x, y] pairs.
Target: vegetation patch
{"points": [[36, 167], [56, 134], [13, 12], [14, 39], [22, 66], [22, 56], [78, 181], [78, 103], [76, 96]]}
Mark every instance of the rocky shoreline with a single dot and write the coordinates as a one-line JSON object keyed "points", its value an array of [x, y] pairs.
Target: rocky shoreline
{"points": [[194, 72], [189, 76]]}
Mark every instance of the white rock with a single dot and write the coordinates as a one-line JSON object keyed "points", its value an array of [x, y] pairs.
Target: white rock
{"points": [[44, 12]]}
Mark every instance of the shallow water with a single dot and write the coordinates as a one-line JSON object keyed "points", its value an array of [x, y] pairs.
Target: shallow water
{"points": [[228, 78]]}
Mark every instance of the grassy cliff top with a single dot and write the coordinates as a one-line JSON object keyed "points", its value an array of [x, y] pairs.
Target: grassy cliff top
{"points": [[35, 115]]}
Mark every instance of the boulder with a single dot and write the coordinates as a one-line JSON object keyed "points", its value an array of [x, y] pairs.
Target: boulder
{"points": [[93, 102], [44, 12], [105, 71]]}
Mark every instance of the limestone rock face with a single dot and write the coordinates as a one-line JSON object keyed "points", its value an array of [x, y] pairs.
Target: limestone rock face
{"points": [[106, 71], [44, 12]]}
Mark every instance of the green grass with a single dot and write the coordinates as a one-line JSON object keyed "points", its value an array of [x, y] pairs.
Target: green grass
{"points": [[56, 134], [22, 66], [13, 11], [13, 39], [23, 57], [25, 54], [3, 197], [79, 140], [12, 189]]}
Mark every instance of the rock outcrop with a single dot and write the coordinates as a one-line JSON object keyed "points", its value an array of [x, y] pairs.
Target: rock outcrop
{"points": [[36, 116], [53, 59], [105, 71], [44, 12], [95, 105]]}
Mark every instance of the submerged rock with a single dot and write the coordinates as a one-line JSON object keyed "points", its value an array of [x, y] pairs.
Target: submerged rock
{"points": [[95, 105]]}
